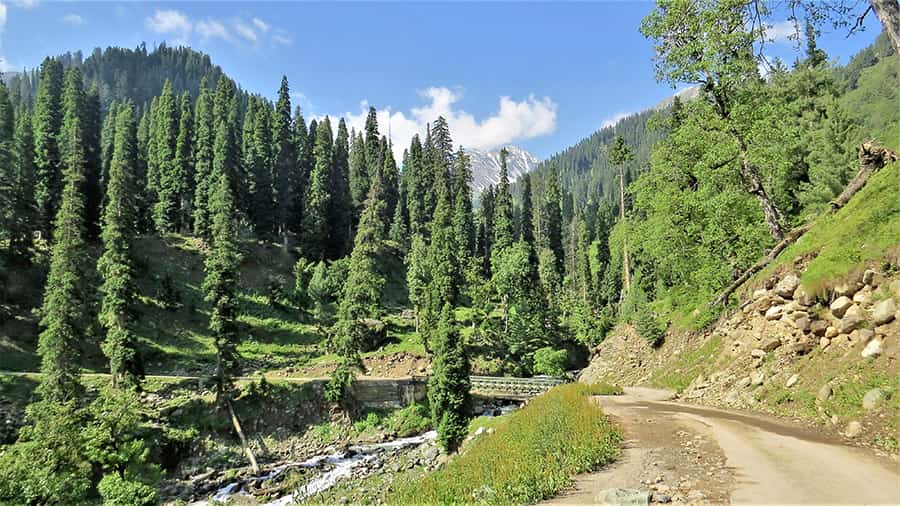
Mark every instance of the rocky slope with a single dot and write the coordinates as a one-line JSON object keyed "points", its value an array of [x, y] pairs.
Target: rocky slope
{"points": [[486, 166], [829, 360]]}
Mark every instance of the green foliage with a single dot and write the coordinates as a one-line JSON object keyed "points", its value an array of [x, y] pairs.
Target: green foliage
{"points": [[533, 453], [118, 491], [448, 385], [648, 327], [603, 389], [550, 362]]}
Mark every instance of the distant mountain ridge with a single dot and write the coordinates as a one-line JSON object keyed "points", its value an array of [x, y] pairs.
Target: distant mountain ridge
{"points": [[486, 166]]}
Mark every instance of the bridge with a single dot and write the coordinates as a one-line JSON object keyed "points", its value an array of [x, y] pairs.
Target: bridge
{"points": [[398, 392], [512, 388]]}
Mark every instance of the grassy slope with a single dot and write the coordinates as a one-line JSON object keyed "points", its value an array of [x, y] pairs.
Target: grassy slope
{"points": [[177, 341]]}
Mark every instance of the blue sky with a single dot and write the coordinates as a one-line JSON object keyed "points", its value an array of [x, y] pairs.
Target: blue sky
{"points": [[538, 75]]}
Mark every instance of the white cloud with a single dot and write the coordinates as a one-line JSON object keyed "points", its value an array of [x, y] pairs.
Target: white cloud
{"points": [[245, 31], [212, 29], [782, 31], [261, 25], [615, 118], [73, 19], [512, 121], [170, 21], [281, 39]]}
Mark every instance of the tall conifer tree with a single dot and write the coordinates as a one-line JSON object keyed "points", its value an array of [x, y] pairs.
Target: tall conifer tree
{"points": [[318, 196], [283, 172], [204, 140], [341, 203], [184, 154], [504, 232], [463, 218], [116, 265], [164, 180], [449, 384], [47, 119]]}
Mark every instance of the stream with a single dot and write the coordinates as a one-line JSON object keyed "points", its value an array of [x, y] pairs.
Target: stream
{"points": [[341, 465]]}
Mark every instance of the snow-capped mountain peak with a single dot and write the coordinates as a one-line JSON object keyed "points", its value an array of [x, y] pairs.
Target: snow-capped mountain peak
{"points": [[486, 166]]}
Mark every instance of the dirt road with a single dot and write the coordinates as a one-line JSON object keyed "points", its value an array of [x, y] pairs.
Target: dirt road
{"points": [[695, 454]]}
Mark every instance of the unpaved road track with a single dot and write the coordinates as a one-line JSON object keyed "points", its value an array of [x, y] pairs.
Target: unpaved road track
{"points": [[698, 454]]}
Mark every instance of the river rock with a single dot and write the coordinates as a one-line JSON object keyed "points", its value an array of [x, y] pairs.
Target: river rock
{"points": [[803, 297], [757, 378], [757, 353], [884, 312], [787, 286], [623, 497], [824, 342], [803, 346], [845, 289], [792, 380], [732, 397], [824, 393], [852, 320], [870, 278], [865, 335], [831, 332], [802, 324], [872, 399], [744, 382], [774, 312], [759, 293], [660, 498], [873, 349], [840, 306], [854, 429]]}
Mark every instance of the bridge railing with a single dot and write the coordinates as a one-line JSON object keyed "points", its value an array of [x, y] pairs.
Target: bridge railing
{"points": [[519, 387]]}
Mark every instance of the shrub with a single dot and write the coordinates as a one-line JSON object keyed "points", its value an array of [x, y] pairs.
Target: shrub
{"points": [[550, 362], [533, 455], [648, 326], [118, 491]]}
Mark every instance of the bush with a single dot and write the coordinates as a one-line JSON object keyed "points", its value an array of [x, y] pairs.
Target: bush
{"points": [[532, 455], [550, 362], [118, 491], [648, 326]]}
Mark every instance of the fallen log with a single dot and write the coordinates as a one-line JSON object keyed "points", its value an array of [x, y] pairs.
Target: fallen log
{"points": [[871, 159], [237, 428]]}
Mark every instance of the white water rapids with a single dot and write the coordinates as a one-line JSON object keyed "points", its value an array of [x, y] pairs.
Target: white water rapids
{"points": [[342, 464]]}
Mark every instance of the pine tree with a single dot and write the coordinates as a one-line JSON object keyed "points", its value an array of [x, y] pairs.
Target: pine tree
{"points": [[441, 153], [259, 163], [318, 196], [374, 160], [204, 140], [93, 163], [504, 228], [226, 153], [359, 175], [340, 212], [116, 265], [21, 206], [67, 296], [417, 274], [418, 185], [446, 272], [391, 179], [526, 216], [47, 120], [552, 221], [7, 115], [221, 282], [399, 231], [165, 180], [304, 142], [283, 172], [486, 228], [619, 154], [463, 218], [183, 166], [449, 384]]}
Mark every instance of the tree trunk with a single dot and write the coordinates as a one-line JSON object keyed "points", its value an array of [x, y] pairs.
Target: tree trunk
{"points": [[622, 217], [888, 12], [770, 211], [237, 428]]}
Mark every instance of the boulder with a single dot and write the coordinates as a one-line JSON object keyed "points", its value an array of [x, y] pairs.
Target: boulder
{"points": [[863, 296], [757, 353], [824, 342], [872, 399], [824, 393], [831, 332], [757, 378], [732, 397], [744, 382], [803, 346], [759, 293], [895, 288], [854, 429], [792, 380], [623, 497], [786, 287], [803, 297], [864, 335], [802, 324], [796, 315], [884, 311], [818, 327], [771, 344], [853, 319], [840, 306], [873, 349], [846, 289], [774, 312]]}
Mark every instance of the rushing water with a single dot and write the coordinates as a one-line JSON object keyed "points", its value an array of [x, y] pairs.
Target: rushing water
{"points": [[342, 464]]}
